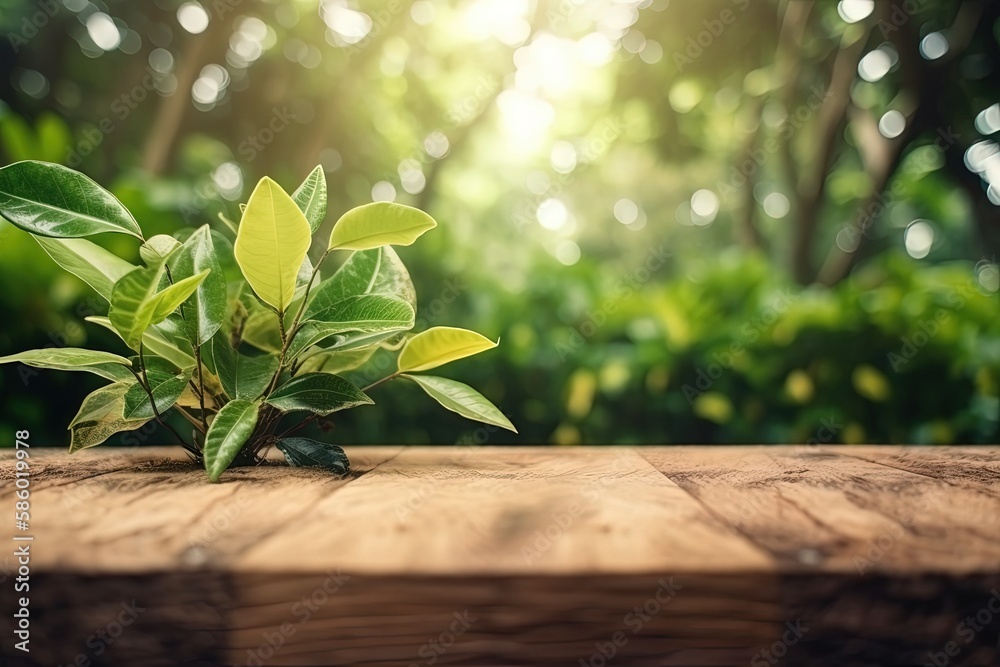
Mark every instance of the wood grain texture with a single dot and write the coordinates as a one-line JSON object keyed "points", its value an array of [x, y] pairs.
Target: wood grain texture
{"points": [[511, 510], [517, 556], [817, 507], [969, 467]]}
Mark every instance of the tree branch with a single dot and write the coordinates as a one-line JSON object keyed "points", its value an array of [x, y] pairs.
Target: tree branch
{"points": [[812, 189]]}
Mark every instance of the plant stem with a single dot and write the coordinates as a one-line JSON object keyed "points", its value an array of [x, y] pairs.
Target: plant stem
{"points": [[201, 388], [284, 350], [305, 296], [301, 424], [385, 379], [144, 382], [191, 418], [286, 337]]}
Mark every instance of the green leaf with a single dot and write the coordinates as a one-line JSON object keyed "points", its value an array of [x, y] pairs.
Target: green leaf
{"points": [[158, 248], [369, 314], [272, 241], [230, 225], [105, 364], [376, 271], [463, 399], [156, 341], [170, 298], [205, 312], [306, 453], [132, 303], [242, 376], [100, 417], [51, 200], [135, 303], [337, 361], [321, 393], [155, 364], [310, 197], [439, 345], [302, 279], [227, 434], [87, 261], [166, 389], [379, 223]]}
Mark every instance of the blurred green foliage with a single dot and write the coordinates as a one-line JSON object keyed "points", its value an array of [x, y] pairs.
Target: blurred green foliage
{"points": [[682, 222]]}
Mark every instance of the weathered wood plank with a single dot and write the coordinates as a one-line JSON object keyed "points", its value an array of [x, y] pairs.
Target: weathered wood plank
{"points": [[818, 508], [550, 551], [517, 620], [165, 515], [882, 564], [969, 467], [508, 510]]}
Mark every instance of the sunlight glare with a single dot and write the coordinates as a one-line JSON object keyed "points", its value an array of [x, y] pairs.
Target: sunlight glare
{"points": [[526, 119], [552, 214], [192, 17], [103, 31], [918, 239]]}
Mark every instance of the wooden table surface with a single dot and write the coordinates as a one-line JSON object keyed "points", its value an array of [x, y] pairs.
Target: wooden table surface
{"points": [[514, 556]]}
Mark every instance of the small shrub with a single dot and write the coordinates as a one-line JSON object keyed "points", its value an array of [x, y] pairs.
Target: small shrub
{"points": [[235, 356]]}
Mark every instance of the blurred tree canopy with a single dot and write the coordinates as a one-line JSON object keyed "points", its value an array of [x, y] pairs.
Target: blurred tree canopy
{"points": [[716, 221]]}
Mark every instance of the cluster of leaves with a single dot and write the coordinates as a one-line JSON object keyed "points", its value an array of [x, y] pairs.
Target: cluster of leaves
{"points": [[234, 355], [900, 353]]}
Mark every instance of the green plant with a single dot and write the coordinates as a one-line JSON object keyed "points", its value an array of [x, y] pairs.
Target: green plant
{"points": [[235, 351]]}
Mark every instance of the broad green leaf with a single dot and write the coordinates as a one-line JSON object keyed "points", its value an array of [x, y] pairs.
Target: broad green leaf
{"points": [[272, 241], [242, 376], [310, 197], [170, 298], [97, 403], [51, 200], [154, 364], [158, 248], [463, 399], [439, 345], [87, 261], [376, 271], [377, 224], [135, 303], [156, 341], [349, 341], [105, 364], [321, 393], [369, 314], [307, 453], [100, 417], [205, 312], [336, 361], [132, 303], [227, 434], [166, 388]]}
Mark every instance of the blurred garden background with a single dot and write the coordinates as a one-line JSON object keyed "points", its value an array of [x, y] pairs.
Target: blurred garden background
{"points": [[722, 221]]}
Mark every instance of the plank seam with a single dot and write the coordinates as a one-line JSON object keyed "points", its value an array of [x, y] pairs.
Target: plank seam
{"points": [[716, 516]]}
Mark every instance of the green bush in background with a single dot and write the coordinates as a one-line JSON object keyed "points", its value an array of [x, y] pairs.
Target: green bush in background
{"points": [[724, 242]]}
